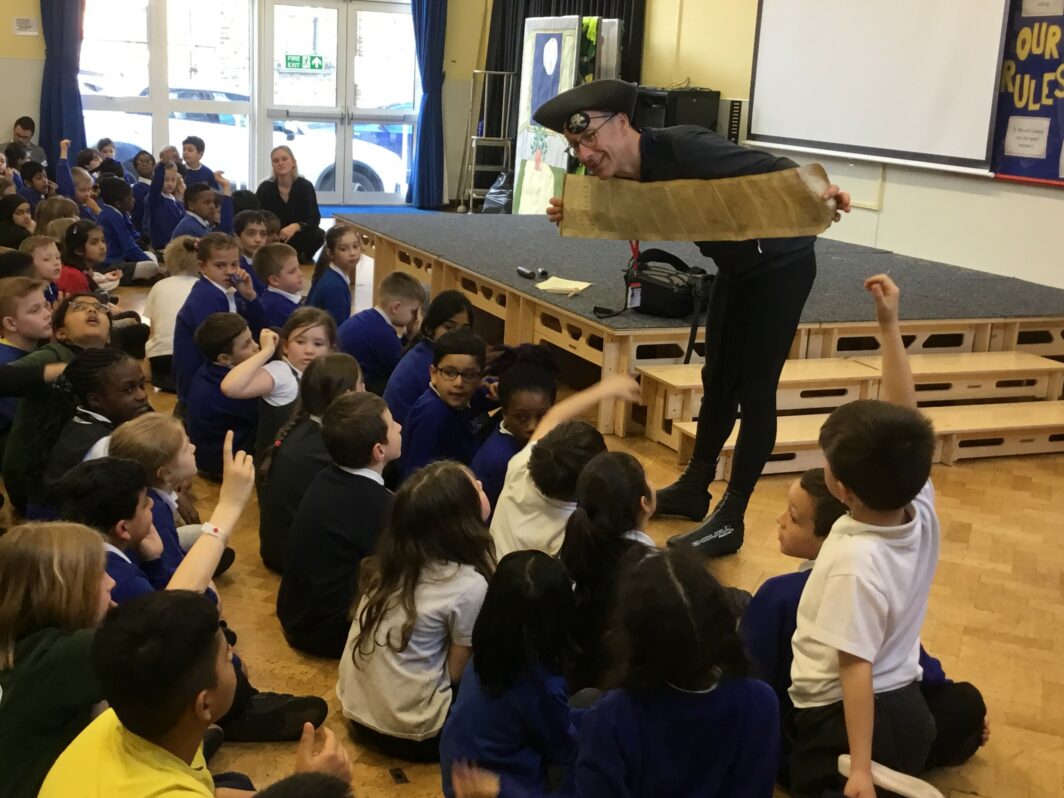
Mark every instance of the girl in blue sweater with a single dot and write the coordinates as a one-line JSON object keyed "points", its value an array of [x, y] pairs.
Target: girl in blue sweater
{"points": [[330, 287], [512, 714], [685, 720]]}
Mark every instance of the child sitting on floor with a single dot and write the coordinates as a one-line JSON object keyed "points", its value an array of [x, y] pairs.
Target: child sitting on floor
{"points": [[164, 207], [291, 464], [539, 494], [249, 227], [441, 425], [412, 631], [192, 149], [123, 250], [25, 321], [337, 524], [47, 263], [276, 268], [84, 258], [206, 211], [372, 336], [165, 300], [225, 341], [334, 274]]}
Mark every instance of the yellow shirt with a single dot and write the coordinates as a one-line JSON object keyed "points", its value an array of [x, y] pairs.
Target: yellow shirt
{"points": [[106, 760]]}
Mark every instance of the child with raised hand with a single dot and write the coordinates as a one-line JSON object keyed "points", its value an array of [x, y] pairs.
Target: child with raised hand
{"points": [[512, 715], [527, 391], [299, 453], [76, 184], [249, 227], [441, 425], [84, 260], [614, 501], [337, 524], [411, 636], [334, 274], [25, 322], [682, 673], [47, 264], [769, 622], [856, 671], [223, 287], [372, 336], [449, 310], [164, 207], [164, 301], [539, 493], [56, 591], [309, 333], [276, 268]]}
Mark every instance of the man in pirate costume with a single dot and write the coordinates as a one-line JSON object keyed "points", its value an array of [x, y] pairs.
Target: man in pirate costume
{"points": [[754, 307]]}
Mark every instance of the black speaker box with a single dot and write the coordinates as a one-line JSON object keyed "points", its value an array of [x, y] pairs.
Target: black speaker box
{"points": [[668, 107]]}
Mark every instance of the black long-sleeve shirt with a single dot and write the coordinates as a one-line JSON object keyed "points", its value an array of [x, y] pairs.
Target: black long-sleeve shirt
{"points": [[302, 205]]}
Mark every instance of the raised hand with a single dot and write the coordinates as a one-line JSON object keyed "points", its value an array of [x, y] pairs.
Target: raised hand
{"points": [[886, 295], [268, 341]]}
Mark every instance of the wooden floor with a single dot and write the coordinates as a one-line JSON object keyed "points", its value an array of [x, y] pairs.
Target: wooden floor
{"points": [[996, 618]]}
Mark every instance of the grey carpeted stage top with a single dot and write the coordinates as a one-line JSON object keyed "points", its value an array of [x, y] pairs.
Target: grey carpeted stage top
{"points": [[495, 245]]}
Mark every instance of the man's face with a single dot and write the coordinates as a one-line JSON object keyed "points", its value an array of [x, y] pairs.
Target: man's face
{"points": [[21, 135], [599, 144]]}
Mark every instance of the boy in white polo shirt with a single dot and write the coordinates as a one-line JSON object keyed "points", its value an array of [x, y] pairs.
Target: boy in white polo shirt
{"points": [[856, 673]]}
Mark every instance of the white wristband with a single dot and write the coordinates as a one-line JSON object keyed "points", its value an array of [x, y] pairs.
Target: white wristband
{"points": [[210, 530]]}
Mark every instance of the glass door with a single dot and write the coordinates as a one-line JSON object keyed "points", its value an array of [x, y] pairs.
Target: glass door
{"points": [[341, 92]]}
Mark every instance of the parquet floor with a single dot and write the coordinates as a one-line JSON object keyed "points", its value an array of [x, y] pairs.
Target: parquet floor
{"points": [[996, 618]]}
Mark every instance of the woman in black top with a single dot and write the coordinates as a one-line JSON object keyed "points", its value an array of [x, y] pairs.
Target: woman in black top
{"points": [[295, 202]]}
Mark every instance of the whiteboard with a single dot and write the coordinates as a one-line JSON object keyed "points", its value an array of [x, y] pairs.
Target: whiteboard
{"points": [[904, 79]]}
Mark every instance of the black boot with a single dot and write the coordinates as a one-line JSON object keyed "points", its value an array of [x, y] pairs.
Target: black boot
{"points": [[722, 533], [688, 496]]}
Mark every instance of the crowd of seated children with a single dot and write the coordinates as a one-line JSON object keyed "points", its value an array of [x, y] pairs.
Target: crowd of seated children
{"points": [[280, 277], [682, 671], [165, 669], [288, 467], [441, 425], [206, 211], [373, 336], [308, 333], [512, 715], [164, 206], [249, 227], [223, 287], [449, 310], [526, 391], [79, 322], [411, 636], [334, 274], [164, 301], [16, 220], [225, 341], [25, 322], [614, 501], [337, 524], [539, 493]]}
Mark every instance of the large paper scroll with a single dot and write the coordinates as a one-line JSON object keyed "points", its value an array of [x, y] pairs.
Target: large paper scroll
{"points": [[770, 205]]}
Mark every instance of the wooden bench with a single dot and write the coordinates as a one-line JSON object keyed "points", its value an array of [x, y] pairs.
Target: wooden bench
{"points": [[982, 375], [963, 432], [674, 393]]}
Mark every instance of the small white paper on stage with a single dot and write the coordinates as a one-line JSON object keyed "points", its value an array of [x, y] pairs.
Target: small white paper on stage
{"points": [[1042, 8], [770, 205], [1027, 137], [559, 285]]}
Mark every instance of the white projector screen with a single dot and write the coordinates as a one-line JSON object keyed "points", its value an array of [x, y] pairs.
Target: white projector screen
{"points": [[903, 79]]}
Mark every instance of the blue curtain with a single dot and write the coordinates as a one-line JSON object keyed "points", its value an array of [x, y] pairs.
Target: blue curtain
{"points": [[61, 114], [430, 28]]}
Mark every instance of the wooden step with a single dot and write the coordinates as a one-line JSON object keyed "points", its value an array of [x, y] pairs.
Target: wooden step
{"points": [[982, 375], [962, 432]]}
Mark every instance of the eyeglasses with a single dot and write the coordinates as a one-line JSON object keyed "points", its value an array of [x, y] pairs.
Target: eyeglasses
{"points": [[83, 307], [589, 137], [451, 374]]}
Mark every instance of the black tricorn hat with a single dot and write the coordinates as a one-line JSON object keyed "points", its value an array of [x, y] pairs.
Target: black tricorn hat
{"points": [[567, 113]]}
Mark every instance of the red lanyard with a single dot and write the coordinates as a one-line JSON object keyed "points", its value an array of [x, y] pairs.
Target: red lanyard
{"points": [[634, 246]]}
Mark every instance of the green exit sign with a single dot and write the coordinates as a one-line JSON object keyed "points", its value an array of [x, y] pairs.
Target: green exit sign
{"points": [[312, 62]]}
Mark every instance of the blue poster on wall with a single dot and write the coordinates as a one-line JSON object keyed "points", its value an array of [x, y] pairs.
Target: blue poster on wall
{"points": [[1029, 136]]}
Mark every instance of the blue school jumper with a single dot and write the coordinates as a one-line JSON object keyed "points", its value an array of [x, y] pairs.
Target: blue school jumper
{"points": [[162, 212], [122, 246], [203, 174], [192, 225], [132, 576], [31, 196], [162, 515], [140, 204], [209, 414], [9, 353], [409, 380], [491, 460], [517, 733], [278, 308], [436, 431], [246, 265], [204, 299], [332, 293], [371, 339]]}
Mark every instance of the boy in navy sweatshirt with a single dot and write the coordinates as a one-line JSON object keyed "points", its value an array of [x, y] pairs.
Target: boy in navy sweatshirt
{"points": [[249, 227], [224, 340], [372, 336], [277, 267], [195, 172], [123, 251], [441, 425], [35, 183], [223, 287], [26, 320], [206, 211], [164, 208]]}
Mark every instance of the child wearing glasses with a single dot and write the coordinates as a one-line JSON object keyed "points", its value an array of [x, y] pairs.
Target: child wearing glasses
{"points": [[441, 425]]}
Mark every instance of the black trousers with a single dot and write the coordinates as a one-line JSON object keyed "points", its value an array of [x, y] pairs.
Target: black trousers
{"points": [[306, 243], [749, 332], [916, 728]]}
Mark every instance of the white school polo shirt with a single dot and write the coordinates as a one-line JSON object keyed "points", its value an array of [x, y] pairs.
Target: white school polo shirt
{"points": [[867, 596], [525, 518]]}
